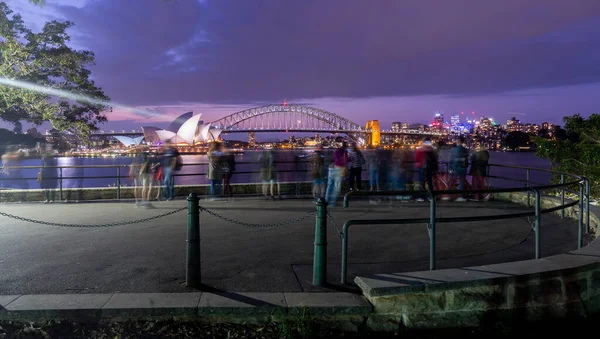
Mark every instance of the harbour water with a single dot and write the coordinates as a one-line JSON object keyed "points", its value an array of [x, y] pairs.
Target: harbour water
{"points": [[247, 169]]}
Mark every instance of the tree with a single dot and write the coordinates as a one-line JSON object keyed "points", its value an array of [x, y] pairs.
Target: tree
{"points": [[516, 139], [575, 149], [45, 59]]}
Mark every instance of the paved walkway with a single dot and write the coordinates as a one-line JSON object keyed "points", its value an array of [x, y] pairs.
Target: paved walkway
{"points": [[150, 256]]}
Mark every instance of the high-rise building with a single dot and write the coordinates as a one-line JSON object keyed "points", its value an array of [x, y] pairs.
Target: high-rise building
{"points": [[438, 121], [455, 120], [396, 126], [545, 125], [513, 124], [405, 125]]}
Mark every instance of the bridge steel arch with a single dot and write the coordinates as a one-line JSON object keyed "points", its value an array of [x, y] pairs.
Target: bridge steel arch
{"points": [[335, 122]]}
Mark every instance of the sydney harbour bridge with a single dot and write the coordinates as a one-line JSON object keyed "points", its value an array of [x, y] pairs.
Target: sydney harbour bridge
{"points": [[285, 118]]}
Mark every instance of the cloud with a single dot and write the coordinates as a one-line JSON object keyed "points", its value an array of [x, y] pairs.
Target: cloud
{"points": [[155, 53]]}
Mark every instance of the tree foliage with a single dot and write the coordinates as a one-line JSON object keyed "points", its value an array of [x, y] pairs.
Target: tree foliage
{"points": [[516, 139], [575, 149], [45, 59]]}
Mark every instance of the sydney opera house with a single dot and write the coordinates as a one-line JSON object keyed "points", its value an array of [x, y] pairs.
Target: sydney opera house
{"points": [[186, 130]]}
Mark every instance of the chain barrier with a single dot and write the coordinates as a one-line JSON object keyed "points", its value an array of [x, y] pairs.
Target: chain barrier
{"points": [[243, 223], [340, 233], [113, 224]]}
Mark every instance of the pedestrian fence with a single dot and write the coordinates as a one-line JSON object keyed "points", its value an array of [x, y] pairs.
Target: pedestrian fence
{"points": [[297, 171], [531, 188], [322, 216]]}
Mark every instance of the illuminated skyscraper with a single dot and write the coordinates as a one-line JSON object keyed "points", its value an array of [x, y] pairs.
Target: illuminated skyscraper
{"points": [[455, 120], [438, 121]]}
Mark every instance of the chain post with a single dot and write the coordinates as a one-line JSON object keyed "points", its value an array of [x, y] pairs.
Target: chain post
{"points": [[432, 231], [60, 189], [320, 252], [192, 273], [528, 173], [562, 196], [538, 221], [118, 182], [580, 218]]}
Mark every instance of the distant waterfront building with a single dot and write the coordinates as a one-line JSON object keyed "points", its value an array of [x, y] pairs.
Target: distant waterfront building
{"points": [[396, 126], [252, 139], [418, 127]]}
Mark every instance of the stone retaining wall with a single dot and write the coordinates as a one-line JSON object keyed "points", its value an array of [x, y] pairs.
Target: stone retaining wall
{"points": [[493, 296]]}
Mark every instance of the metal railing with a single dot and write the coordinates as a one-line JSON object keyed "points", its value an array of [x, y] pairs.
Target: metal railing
{"points": [[583, 201], [121, 173]]}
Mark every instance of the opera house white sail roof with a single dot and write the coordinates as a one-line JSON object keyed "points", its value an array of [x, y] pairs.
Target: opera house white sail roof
{"points": [[187, 129]]}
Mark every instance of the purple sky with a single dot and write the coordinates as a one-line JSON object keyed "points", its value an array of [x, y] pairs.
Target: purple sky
{"points": [[386, 59]]}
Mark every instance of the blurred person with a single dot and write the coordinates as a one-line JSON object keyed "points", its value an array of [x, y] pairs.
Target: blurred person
{"points": [[356, 160], [170, 165], [459, 161], [13, 176], [268, 174], [399, 168], [145, 179], [134, 168], [317, 164], [374, 167], [215, 174], [157, 176], [75, 183], [427, 164], [337, 171], [48, 175], [479, 162], [228, 166]]}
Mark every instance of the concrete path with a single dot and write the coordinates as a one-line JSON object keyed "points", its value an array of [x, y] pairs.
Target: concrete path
{"points": [[150, 256]]}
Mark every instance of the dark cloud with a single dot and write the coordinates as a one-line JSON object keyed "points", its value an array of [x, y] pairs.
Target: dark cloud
{"points": [[152, 52]]}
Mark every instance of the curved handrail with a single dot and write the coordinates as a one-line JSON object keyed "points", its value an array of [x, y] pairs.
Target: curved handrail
{"points": [[431, 222]]}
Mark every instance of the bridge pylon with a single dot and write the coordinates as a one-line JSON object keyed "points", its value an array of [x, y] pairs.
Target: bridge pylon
{"points": [[374, 134]]}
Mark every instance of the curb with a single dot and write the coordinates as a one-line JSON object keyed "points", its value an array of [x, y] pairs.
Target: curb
{"points": [[200, 304]]}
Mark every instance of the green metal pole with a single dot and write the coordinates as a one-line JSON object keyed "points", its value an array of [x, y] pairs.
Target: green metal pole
{"points": [[562, 196], [192, 274], [60, 187], [344, 252], [587, 205], [538, 221], [320, 254], [580, 219], [528, 172], [119, 183], [432, 232]]}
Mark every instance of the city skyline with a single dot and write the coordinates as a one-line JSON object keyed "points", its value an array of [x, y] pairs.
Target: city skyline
{"points": [[404, 62]]}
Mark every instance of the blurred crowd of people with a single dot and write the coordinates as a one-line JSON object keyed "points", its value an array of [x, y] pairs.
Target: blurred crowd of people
{"points": [[152, 172], [393, 170]]}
